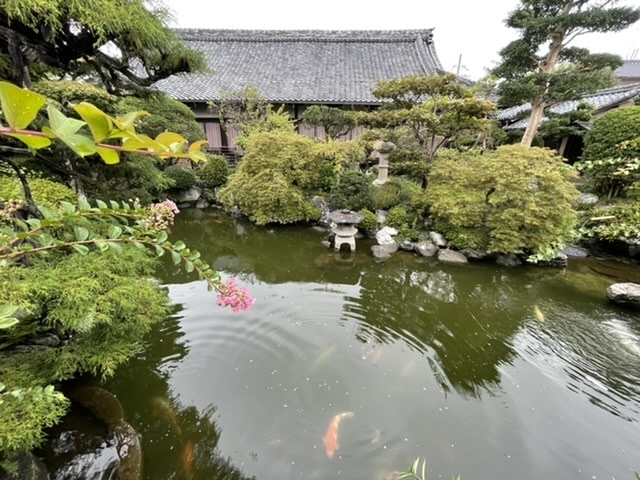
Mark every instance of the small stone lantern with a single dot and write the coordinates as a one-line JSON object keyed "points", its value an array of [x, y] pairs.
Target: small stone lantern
{"points": [[345, 231]]}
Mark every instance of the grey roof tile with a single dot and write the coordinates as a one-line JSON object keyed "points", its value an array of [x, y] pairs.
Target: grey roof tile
{"points": [[303, 66], [630, 69], [600, 100]]}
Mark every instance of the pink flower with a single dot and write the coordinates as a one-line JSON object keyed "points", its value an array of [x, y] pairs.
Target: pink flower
{"points": [[161, 215], [230, 295]]}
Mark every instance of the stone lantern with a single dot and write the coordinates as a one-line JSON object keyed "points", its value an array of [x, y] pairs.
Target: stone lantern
{"points": [[381, 151], [345, 231]]}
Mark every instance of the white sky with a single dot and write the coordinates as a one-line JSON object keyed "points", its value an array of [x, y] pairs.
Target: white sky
{"points": [[472, 28]]}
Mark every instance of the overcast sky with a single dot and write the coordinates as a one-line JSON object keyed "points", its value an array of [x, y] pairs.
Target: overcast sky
{"points": [[472, 28]]}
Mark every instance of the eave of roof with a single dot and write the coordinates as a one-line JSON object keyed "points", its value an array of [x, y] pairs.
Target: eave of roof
{"points": [[303, 66]]}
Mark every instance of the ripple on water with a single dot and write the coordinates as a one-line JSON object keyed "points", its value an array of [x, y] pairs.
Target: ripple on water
{"points": [[595, 355]]}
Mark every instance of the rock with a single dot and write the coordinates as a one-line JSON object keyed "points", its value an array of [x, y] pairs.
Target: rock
{"points": [[509, 260], [475, 253], [380, 252], [47, 340], [385, 235], [586, 199], [321, 204], [407, 246], [438, 239], [30, 467], [576, 252], [189, 196], [202, 203], [559, 261], [381, 217], [625, 294], [451, 256], [426, 249]]}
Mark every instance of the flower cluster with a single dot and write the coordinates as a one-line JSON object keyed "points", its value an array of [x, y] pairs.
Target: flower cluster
{"points": [[231, 295], [161, 215], [9, 209]]}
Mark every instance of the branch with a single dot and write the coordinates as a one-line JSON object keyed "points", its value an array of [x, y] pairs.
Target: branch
{"points": [[28, 196]]}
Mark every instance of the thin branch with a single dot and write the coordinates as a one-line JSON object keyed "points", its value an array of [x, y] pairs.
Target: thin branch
{"points": [[28, 196]]}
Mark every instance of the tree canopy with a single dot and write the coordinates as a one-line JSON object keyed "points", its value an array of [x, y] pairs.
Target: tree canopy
{"points": [[532, 74], [121, 42]]}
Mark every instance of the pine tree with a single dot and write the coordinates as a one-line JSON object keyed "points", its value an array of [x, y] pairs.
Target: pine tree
{"points": [[529, 69]]}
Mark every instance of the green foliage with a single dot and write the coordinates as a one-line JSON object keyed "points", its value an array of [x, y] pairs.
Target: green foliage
{"points": [[183, 178], [404, 222], [622, 220], [269, 184], [214, 171], [613, 177], [166, 114], [68, 38], [45, 192], [512, 200], [67, 92], [353, 192], [334, 121], [611, 135], [370, 222], [560, 125], [394, 192]]}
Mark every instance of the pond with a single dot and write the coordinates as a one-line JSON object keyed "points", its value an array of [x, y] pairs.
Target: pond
{"points": [[487, 372]]}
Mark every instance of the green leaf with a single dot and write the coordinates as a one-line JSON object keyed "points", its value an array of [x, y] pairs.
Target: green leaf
{"points": [[115, 231], [116, 247], [65, 128], [99, 122], [34, 223], [115, 205], [81, 249], [108, 155], [179, 246], [19, 106], [162, 237], [101, 204], [7, 310], [7, 323], [45, 239], [175, 256], [103, 246], [140, 245], [188, 266], [84, 204], [81, 233], [159, 250], [126, 122]]}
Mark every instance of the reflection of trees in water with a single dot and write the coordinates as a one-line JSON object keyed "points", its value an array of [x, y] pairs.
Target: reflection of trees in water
{"points": [[461, 323], [178, 442]]}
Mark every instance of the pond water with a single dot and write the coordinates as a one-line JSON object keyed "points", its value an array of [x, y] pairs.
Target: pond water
{"points": [[485, 371]]}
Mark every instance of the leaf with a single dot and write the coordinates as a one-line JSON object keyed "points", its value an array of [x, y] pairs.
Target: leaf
{"points": [[175, 256], [126, 122], [159, 250], [7, 323], [65, 128], [83, 204], [7, 310], [81, 233], [19, 106], [81, 249], [34, 223], [31, 141], [162, 237], [99, 122], [188, 266], [108, 155], [101, 204], [197, 146], [170, 138], [115, 232], [45, 239], [116, 247], [198, 156], [179, 246], [114, 205], [103, 246]]}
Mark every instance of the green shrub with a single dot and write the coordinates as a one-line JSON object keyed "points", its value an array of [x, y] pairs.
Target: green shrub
{"points": [[214, 171], [394, 192], [612, 176], [183, 178], [273, 178], [511, 200], [67, 92], [370, 222], [622, 220], [45, 192], [609, 134], [404, 222], [353, 192]]}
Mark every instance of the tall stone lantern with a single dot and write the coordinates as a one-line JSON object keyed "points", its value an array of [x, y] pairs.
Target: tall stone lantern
{"points": [[345, 230], [381, 151]]}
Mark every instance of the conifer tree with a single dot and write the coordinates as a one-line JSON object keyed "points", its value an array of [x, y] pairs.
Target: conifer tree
{"points": [[530, 66]]}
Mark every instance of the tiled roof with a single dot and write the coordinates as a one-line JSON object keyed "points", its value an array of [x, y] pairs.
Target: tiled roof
{"points": [[600, 100], [630, 69], [302, 66]]}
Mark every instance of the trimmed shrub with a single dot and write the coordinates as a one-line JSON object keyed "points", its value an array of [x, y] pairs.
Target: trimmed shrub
{"points": [[353, 192], [370, 222], [511, 200], [404, 222], [45, 192], [183, 178], [214, 171], [607, 137], [612, 176], [624, 224], [393, 193]]}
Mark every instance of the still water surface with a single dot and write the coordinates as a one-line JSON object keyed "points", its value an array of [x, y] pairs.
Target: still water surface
{"points": [[488, 372]]}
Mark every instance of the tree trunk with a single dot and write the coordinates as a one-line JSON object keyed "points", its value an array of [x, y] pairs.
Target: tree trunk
{"points": [[547, 66]]}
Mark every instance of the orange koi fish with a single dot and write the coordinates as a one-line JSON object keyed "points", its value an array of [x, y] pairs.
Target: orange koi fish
{"points": [[331, 437], [187, 459]]}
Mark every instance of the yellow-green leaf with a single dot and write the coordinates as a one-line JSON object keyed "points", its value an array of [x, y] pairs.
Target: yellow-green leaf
{"points": [[99, 122], [169, 138], [30, 141], [109, 156], [126, 122], [197, 146], [19, 106], [143, 142]]}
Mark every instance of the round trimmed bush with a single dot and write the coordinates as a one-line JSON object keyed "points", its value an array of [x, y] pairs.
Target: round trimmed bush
{"points": [[609, 132], [214, 171], [370, 222], [353, 192], [183, 178]]}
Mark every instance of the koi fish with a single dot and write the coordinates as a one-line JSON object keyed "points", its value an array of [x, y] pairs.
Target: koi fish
{"points": [[331, 437], [538, 314], [187, 459]]}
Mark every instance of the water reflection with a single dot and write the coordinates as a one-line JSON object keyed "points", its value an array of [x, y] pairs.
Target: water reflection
{"points": [[489, 372]]}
